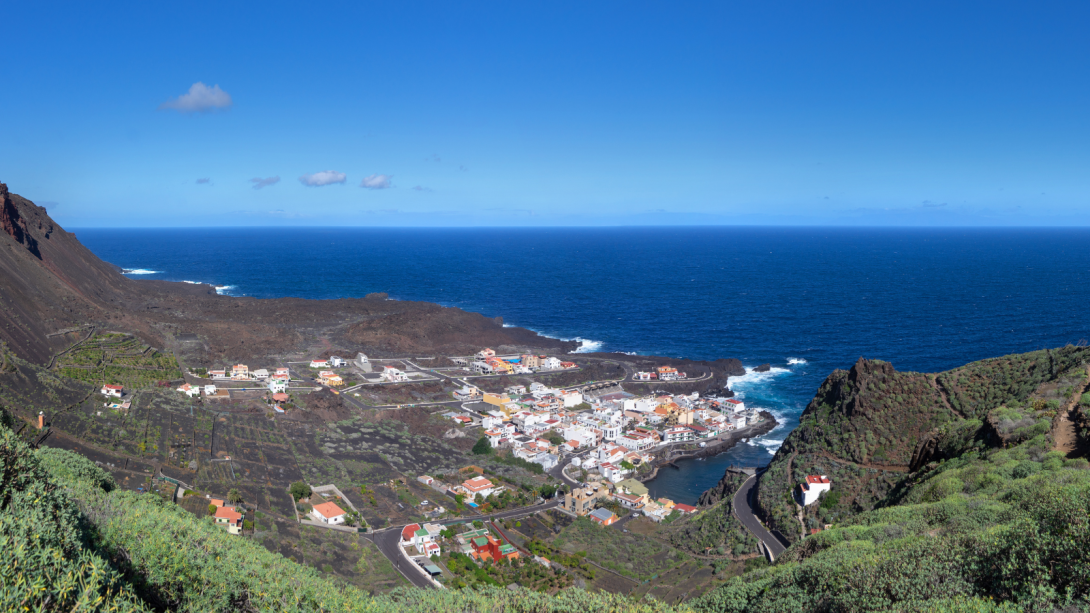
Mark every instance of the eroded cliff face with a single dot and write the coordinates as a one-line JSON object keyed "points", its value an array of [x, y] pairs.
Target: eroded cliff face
{"points": [[14, 224], [50, 281]]}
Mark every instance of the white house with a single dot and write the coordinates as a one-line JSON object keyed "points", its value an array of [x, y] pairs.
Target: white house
{"points": [[478, 487], [735, 405], [328, 513], [495, 437], [585, 436], [571, 398], [488, 422], [336, 361], [278, 386], [210, 390], [483, 368], [363, 363], [112, 390], [676, 434], [813, 487], [612, 472], [190, 390], [551, 364], [319, 363], [611, 453], [390, 373], [260, 374]]}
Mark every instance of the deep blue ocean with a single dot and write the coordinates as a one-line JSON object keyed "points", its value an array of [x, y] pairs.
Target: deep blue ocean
{"points": [[805, 300]]}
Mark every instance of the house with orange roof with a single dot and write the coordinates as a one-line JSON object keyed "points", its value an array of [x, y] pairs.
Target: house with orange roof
{"points": [[230, 518], [478, 487], [328, 513]]}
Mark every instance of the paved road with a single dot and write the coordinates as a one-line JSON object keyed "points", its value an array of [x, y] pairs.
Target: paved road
{"points": [[743, 509]]}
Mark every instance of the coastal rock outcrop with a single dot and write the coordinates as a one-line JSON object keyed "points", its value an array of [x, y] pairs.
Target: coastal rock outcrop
{"points": [[763, 368], [730, 482]]}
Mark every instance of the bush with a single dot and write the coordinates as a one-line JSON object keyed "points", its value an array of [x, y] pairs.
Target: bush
{"points": [[299, 490], [482, 446]]}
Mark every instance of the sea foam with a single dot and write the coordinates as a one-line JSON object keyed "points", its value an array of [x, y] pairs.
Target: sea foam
{"points": [[139, 271], [794, 361]]}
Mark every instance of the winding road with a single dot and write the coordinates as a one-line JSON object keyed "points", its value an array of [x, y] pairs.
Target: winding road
{"points": [[743, 510]]}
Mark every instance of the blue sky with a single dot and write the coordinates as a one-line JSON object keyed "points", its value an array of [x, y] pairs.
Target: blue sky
{"points": [[522, 113]]}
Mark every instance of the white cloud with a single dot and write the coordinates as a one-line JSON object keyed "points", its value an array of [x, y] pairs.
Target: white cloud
{"points": [[259, 182], [421, 188], [326, 177], [377, 182], [200, 99]]}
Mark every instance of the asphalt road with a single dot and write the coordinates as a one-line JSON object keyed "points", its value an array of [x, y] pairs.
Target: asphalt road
{"points": [[743, 509]]}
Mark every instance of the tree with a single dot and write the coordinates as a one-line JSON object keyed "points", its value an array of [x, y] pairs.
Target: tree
{"points": [[299, 490], [212, 509], [547, 490], [625, 464], [234, 496], [482, 447]]}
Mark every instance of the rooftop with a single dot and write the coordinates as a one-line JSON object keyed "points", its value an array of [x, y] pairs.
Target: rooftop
{"points": [[328, 510]]}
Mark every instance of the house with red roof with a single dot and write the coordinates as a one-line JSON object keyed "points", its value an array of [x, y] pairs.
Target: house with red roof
{"points": [[408, 534], [813, 487], [112, 390]]}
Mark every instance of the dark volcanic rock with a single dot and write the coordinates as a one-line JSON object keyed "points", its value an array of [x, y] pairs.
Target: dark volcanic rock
{"points": [[730, 482], [763, 368], [732, 367]]}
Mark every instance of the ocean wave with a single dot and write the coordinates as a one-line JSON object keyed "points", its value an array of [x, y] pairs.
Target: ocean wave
{"points": [[587, 345], [224, 290], [139, 271], [196, 282], [753, 378], [794, 361]]}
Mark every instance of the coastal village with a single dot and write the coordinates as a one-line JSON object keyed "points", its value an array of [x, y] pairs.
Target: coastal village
{"points": [[555, 441]]}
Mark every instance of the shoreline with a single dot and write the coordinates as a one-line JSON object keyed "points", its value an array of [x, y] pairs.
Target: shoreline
{"points": [[719, 447]]}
